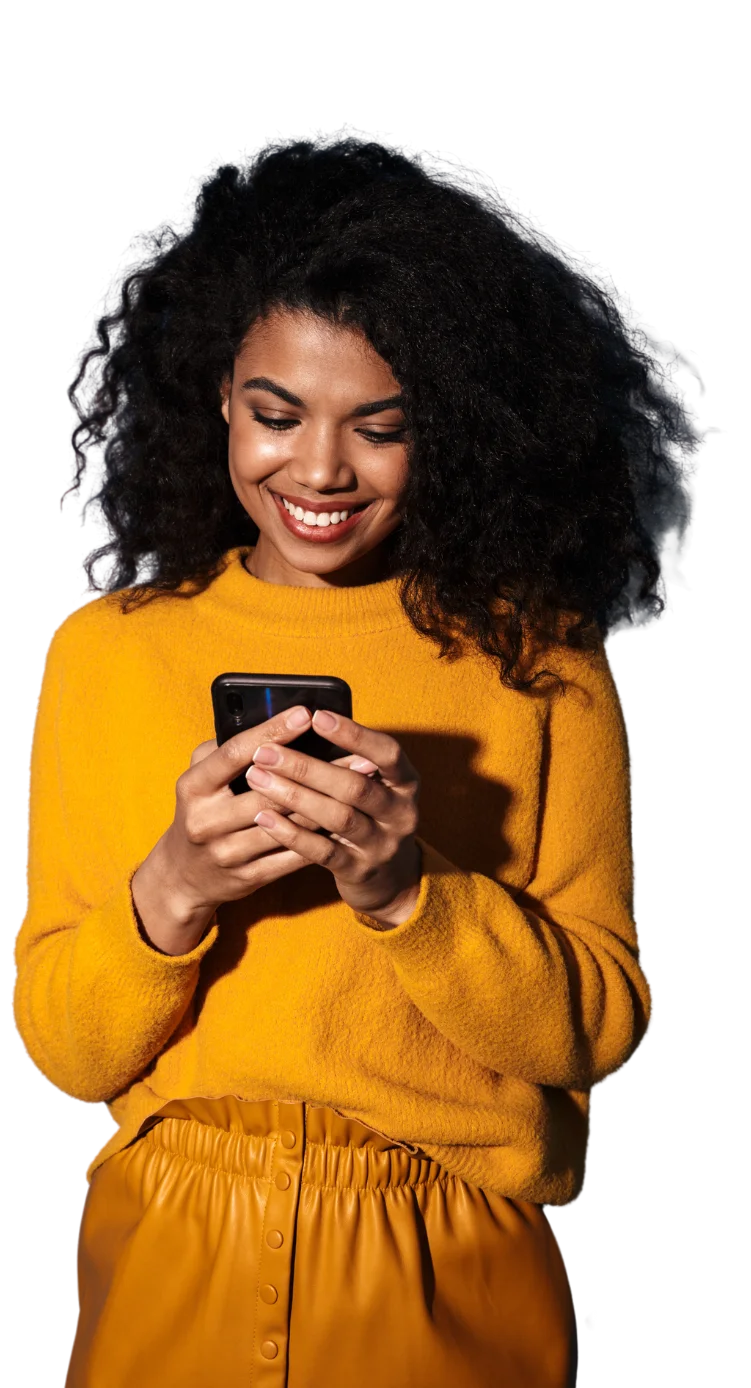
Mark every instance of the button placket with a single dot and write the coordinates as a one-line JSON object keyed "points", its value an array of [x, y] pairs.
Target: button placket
{"points": [[277, 1246]]}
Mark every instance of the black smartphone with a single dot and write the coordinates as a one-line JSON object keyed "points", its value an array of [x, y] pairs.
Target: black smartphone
{"points": [[243, 701]]}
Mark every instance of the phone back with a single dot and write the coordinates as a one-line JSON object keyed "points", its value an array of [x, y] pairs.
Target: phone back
{"points": [[243, 700]]}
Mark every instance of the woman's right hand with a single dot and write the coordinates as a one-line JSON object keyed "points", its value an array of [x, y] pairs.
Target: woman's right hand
{"points": [[212, 851]]}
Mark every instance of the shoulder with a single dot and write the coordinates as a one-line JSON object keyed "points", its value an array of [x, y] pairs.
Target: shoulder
{"points": [[99, 619], [584, 671], [582, 697], [567, 661], [130, 620], [89, 642], [117, 626]]}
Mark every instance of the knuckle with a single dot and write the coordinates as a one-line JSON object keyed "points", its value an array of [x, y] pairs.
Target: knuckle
{"points": [[221, 853], [292, 795], [195, 828], [328, 852], [391, 755], [361, 789], [297, 768], [182, 787], [202, 750], [348, 823], [235, 752], [411, 818]]}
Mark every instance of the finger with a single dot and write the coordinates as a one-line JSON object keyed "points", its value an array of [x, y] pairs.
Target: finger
{"points": [[204, 749], [274, 865], [211, 817], [235, 755], [334, 815], [378, 747], [249, 846], [349, 787], [302, 820], [315, 848]]}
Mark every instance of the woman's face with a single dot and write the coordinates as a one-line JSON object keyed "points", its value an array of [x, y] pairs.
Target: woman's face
{"points": [[317, 449]]}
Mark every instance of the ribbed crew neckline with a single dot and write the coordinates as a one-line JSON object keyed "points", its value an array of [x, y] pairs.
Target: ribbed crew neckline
{"points": [[300, 611]]}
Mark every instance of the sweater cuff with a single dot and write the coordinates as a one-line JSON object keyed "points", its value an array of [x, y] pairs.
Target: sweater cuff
{"points": [[430, 927], [130, 955]]}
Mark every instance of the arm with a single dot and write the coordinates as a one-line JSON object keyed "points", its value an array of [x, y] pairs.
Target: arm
{"points": [[544, 984], [94, 1002]]}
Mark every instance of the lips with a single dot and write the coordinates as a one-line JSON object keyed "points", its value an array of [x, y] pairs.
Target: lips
{"points": [[319, 534]]}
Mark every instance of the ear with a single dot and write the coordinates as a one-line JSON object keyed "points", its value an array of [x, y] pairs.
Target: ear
{"points": [[225, 390]]}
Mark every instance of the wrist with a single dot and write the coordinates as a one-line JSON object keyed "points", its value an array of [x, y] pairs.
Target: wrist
{"points": [[168, 918], [399, 906]]}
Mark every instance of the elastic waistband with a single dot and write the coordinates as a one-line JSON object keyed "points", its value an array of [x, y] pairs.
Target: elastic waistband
{"points": [[336, 1152]]}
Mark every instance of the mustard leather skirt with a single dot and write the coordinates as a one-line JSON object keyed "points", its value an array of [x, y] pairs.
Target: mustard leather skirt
{"points": [[273, 1245]]}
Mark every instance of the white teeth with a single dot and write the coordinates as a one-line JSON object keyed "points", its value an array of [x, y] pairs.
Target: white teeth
{"points": [[322, 518]]}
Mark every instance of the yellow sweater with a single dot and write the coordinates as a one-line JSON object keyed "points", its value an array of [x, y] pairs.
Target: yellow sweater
{"points": [[475, 1029]]}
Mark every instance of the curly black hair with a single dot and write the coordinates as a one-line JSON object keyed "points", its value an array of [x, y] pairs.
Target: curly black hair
{"points": [[547, 447]]}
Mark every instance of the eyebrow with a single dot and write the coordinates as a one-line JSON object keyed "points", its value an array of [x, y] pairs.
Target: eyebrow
{"points": [[392, 402]]}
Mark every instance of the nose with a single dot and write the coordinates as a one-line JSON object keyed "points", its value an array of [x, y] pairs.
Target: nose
{"points": [[318, 463]]}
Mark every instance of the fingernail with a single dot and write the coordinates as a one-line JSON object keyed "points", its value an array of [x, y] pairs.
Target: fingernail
{"points": [[324, 720], [264, 820], [362, 764], [298, 718], [267, 754], [256, 777]]}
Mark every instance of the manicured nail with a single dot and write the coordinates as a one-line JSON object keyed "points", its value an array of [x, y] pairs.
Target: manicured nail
{"points": [[267, 754], [298, 718], [324, 720], [256, 777], [264, 820], [362, 764]]}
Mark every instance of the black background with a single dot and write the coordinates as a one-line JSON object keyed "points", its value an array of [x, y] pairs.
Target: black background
{"points": [[628, 179]]}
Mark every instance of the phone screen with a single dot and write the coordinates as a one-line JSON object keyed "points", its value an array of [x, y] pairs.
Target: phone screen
{"points": [[244, 700]]}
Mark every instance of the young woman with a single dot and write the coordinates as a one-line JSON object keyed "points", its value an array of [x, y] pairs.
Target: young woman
{"points": [[355, 422]]}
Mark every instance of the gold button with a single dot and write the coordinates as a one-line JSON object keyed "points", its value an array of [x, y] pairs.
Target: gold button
{"points": [[282, 1181], [269, 1294], [275, 1238], [288, 1139], [269, 1349]]}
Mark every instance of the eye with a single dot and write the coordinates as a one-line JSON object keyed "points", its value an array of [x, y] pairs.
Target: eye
{"points": [[282, 425], [394, 436], [274, 424]]}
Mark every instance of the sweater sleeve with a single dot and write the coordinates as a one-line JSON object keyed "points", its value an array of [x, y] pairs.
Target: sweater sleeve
{"points": [[94, 1002], [543, 984]]}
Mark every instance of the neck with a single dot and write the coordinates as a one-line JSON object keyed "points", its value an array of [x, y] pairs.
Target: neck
{"points": [[270, 566]]}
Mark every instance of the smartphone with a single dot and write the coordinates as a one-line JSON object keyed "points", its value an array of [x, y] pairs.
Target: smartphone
{"points": [[243, 701]]}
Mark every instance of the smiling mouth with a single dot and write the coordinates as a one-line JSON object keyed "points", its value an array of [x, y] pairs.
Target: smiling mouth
{"points": [[316, 521]]}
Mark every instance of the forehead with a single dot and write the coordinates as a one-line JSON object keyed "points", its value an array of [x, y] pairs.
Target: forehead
{"points": [[315, 357]]}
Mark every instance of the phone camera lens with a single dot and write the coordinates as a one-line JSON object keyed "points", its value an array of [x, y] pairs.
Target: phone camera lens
{"points": [[235, 703]]}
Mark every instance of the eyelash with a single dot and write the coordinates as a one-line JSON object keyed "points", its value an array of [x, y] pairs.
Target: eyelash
{"points": [[283, 425]]}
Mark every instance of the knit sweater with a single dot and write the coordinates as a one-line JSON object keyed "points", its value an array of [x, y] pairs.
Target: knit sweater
{"points": [[472, 1031]]}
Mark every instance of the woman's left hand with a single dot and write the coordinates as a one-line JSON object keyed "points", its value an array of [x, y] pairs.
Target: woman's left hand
{"points": [[372, 851]]}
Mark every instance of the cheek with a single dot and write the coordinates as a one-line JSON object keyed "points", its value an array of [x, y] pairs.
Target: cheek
{"points": [[253, 455], [393, 477]]}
